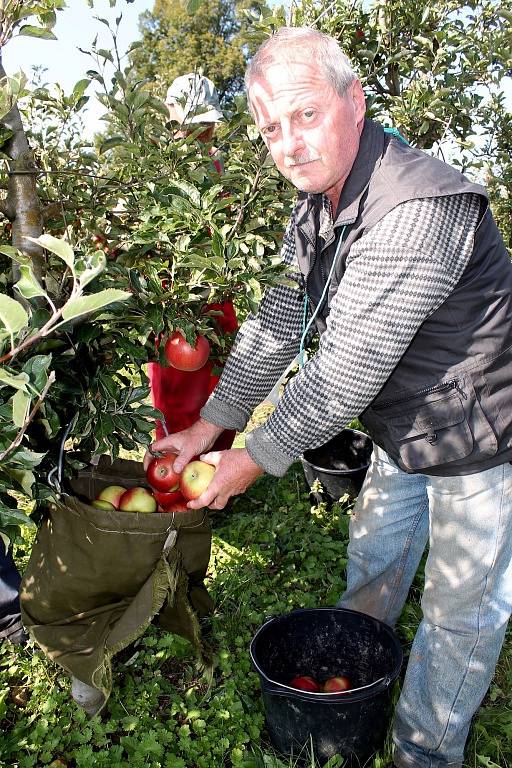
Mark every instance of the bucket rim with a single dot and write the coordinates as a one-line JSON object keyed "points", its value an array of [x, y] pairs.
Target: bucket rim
{"points": [[351, 695], [337, 471]]}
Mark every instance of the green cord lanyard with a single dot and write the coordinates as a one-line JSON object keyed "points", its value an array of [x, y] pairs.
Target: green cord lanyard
{"points": [[306, 327]]}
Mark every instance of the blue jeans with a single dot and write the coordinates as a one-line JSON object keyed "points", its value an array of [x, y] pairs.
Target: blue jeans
{"points": [[467, 598], [10, 618]]}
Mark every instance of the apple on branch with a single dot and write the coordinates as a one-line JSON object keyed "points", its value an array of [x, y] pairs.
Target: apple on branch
{"points": [[183, 356]]}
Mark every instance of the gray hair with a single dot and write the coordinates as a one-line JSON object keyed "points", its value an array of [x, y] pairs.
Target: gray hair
{"points": [[311, 45]]}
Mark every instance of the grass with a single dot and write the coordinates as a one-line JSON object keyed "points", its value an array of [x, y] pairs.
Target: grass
{"points": [[272, 552]]}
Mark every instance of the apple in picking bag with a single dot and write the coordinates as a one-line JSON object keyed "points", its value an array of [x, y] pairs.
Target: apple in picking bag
{"points": [[111, 494], [138, 499]]}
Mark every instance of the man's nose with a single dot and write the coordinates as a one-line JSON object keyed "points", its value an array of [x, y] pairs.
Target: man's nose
{"points": [[292, 141]]}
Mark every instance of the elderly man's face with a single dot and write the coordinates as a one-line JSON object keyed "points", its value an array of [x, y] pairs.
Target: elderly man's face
{"points": [[311, 132]]}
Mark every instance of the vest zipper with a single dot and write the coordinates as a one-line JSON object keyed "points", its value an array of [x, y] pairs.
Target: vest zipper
{"points": [[454, 384]]}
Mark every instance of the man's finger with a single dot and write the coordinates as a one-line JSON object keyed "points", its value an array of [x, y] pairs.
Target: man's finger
{"points": [[213, 457]]}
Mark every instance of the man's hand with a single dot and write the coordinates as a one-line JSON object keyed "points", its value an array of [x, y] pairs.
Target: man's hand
{"points": [[235, 472], [186, 444]]}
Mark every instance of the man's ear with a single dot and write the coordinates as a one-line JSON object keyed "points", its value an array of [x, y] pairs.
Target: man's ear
{"points": [[359, 101]]}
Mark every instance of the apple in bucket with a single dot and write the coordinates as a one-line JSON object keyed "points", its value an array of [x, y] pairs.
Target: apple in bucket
{"points": [[305, 683], [336, 684]]}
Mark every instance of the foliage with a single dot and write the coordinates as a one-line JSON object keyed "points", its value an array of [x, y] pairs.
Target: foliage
{"points": [[272, 553], [435, 70], [146, 216], [213, 38]]}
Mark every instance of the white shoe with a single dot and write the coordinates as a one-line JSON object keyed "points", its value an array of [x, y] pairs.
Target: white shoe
{"points": [[90, 699]]}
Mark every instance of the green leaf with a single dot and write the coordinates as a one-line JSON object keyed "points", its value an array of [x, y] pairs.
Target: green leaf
{"points": [[25, 478], [59, 247], [8, 250], [10, 516], [37, 369], [80, 88], [28, 285], [85, 304], [12, 314], [87, 270], [113, 141], [41, 32], [105, 54], [18, 381], [26, 458], [193, 6], [20, 406]]}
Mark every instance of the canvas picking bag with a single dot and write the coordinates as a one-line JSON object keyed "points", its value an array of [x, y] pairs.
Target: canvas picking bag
{"points": [[97, 578]]}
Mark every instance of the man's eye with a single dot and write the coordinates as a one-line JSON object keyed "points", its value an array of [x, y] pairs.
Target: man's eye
{"points": [[309, 113], [268, 129]]}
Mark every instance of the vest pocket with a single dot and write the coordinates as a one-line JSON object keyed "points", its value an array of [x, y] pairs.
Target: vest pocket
{"points": [[434, 433], [445, 426]]}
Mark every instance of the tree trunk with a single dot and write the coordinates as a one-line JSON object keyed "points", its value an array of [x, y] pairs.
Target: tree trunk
{"points": [[22, 206]]}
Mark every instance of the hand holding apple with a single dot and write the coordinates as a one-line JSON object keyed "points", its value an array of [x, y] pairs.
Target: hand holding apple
{"points": [[186, 444], [195, 479], [235, 471]]}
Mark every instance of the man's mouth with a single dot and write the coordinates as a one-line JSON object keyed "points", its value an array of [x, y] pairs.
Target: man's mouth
{"points": [[294, 162]]}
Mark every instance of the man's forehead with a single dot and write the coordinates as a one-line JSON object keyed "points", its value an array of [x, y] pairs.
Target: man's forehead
{"points": [[288, 87]]}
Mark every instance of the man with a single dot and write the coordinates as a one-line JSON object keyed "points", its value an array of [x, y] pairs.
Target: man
{"points": [[192, 101], [411, 289]]}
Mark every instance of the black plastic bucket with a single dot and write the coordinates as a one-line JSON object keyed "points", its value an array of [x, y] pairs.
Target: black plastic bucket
{"points": [[340, 464], [326, 642]]}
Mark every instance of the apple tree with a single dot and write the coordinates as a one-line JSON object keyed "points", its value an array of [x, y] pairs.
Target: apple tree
{"points": [[135, 234], [438, 71]]}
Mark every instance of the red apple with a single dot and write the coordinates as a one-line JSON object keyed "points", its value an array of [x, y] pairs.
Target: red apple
{"points": [[336, 684], [138, 500], [305, 683], [180, 505], [102, 504], [195, 479], [164, 499], [181, 355], [160, 474], [111, 493]]}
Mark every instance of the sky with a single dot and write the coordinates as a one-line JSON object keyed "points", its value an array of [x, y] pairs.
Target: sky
{"points": [[76, 27]]}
